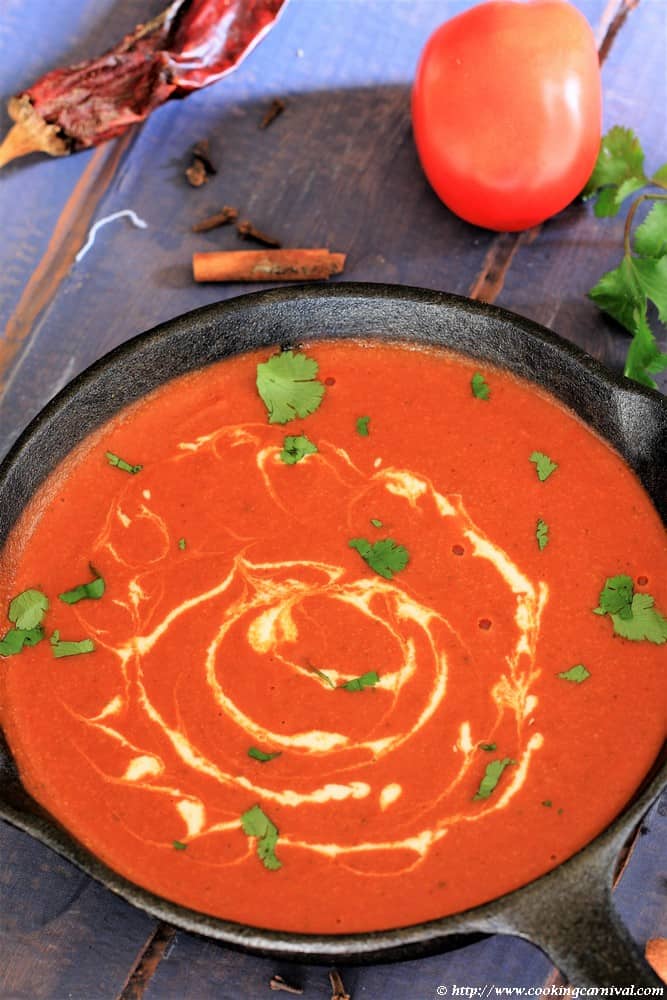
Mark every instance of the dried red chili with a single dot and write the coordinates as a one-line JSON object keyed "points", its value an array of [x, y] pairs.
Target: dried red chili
{"points": [[190, 45]]}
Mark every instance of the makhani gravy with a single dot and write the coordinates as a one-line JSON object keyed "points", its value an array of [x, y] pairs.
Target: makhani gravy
{"points": [[496, 723]]}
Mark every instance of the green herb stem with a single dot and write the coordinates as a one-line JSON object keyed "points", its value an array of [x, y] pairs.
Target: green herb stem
{"points": [[647, 196]]}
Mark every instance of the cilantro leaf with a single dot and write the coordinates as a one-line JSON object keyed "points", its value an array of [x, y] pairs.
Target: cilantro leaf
{"points": [[288, 386], [62, 648], [85, 591], [182, 544], [645, 621], [376, 522], [14, 640], [362, 426], [261, 756], [296, 448], [491, 777], [651, 234], [634, 616], [619, 293], [385, 556], [616, 596], [480, 387], [618, 172], [369, 679], [27, 609], [542, 534], [487, 747], [256, 823], [644, 357], [576, 675], [543, 465], [178, 845], [120, 463]]}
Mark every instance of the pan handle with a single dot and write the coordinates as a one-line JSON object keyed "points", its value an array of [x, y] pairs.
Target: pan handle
{"points": [[576, 925]]}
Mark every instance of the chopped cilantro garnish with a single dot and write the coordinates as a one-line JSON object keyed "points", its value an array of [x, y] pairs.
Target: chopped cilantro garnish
{"points": [[369, 679], [296, 448], [576, 675], [543, 465], [85, 591], [480, 387], [635, 616], [362, 426], [180, 846], [385, 556], [542, 534], [27, 609], [61, 648], [492, 776], [14, 640], [489, 747], [257, 824], [288, 386], [616, 597], [324, 677], [261, 756], [376, 522], [182, 543], [547, 802], [120, 463]]}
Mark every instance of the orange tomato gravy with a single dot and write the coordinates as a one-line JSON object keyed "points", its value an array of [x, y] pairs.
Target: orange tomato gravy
{"points": [[233, 639]]}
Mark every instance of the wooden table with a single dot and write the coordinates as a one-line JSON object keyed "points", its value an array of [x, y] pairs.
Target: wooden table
{"points": [[337, 169]]}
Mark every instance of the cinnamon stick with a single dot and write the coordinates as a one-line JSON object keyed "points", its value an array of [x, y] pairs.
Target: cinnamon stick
{"points": [[267, 265]]}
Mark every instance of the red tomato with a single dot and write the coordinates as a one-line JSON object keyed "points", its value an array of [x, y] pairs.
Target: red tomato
{"points": [[507, 109]]}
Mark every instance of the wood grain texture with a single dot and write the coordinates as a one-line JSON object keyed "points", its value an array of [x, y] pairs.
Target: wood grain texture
{"points": [[61, 934], [338, 168]]}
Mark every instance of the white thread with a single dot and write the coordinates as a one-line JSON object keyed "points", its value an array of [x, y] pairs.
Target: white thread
{"points": [[133, 217]]}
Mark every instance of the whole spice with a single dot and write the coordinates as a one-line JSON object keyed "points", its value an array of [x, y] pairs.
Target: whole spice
{"points": [[247, 231], [278, 983], [189, 45], [226, 215], [276, 107], [267, 265], [201, 166]]}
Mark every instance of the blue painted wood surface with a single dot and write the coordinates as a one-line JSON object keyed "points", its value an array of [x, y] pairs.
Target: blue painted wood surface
{"points": [[338, 168]]}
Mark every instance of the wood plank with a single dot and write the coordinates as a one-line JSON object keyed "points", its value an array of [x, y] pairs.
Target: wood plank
{"points": [[33, 39], [61, 934]]}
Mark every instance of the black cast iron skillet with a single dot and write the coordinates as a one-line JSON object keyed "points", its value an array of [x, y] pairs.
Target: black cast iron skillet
{"points": [[568, 912]]}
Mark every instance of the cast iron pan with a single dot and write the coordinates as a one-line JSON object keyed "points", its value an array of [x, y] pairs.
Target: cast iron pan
{"points": [[568, 912]]}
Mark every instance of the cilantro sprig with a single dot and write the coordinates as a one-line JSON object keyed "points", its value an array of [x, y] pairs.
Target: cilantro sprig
{"points": [[385, 556], [256, 823], [624, 293], [634, 616], [288, 386], [542, 534], [575, 675], [544, 466], [369, 679], [492, 776], [26, 613], [91, 591], [480, 387], [295, 448], [65, 647]]}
